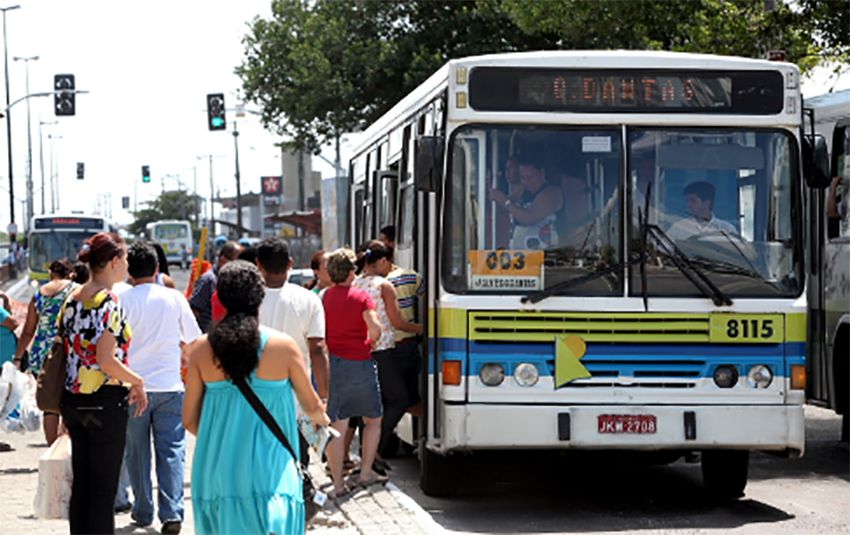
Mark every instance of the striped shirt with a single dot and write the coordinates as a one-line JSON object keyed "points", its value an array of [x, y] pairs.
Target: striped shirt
{"points": [[408, 288]]}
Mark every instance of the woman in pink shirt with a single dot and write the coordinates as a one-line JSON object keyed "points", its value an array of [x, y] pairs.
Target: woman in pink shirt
{"points": [[351, 330]]}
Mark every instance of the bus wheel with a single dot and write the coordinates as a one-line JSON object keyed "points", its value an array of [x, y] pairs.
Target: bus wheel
{"points": [[438, 474], [724, 473]]}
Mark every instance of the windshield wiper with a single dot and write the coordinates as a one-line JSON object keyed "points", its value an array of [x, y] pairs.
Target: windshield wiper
{"points": [[684, 264], [536, 297]]}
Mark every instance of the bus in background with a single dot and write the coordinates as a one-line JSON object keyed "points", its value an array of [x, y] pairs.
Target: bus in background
{"points": [[175, 236], [55, 236], [613, 249], [829, 291]]}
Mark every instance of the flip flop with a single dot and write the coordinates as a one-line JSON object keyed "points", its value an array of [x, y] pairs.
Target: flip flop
{"points": [[375, 479], [6, 447], [346, 491]]}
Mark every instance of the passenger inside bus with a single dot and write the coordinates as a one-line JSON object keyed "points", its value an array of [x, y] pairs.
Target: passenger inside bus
{"points": [[534, 206]]}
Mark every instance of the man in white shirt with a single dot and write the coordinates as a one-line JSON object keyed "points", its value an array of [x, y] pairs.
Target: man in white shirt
{"points": [[161, 321], [295, 311], [700, 199]]}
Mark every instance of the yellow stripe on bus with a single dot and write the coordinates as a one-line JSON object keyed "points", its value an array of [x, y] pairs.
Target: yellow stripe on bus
{"points": [[795, 327]]}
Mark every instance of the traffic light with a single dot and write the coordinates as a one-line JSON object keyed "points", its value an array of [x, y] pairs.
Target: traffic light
{"points": [[125, 202], [64, 101], [146, 174], [215, 111], [81, 171]]}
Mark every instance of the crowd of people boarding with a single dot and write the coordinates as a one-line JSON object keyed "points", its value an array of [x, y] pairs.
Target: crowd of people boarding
{"points": [[235, 362]]}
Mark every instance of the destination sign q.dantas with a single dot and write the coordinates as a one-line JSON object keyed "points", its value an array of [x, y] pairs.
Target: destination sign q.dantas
{"points": [[637, 90]]}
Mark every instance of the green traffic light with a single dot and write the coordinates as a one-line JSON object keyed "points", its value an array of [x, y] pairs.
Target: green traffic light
{"points": [[146, 179], [217, 121]]}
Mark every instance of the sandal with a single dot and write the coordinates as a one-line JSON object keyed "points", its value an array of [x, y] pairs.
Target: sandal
{"points": [[346, 490], [375, 479]]}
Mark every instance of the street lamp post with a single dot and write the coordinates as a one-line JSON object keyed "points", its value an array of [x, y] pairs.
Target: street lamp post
{"points": [[41, 159], [9, 124], [30, 208], [54, 171]]}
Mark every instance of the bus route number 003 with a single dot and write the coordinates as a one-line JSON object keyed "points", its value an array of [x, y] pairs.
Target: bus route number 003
{"points": [[505, 260]]}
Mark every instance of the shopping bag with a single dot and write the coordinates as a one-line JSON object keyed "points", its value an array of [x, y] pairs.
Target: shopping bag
{"points": [[13, 388], [55, 476]]}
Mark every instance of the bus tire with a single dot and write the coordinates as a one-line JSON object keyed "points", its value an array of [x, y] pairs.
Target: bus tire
{"points": [[438, 475], [724, 473]]}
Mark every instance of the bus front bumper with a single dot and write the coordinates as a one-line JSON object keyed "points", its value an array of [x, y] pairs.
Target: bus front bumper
{"points": [[779, 428]]}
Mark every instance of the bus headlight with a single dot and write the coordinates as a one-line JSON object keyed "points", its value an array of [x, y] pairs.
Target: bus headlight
{"points": [[759, 376], [726, 376], [492, 374], [526, 374]]}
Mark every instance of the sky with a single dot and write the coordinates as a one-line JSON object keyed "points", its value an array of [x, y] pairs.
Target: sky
{"points": [[147, 67]]}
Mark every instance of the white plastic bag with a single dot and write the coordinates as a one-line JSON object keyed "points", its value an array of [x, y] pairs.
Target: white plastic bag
{"points": [[13, 388], [55, 477]]}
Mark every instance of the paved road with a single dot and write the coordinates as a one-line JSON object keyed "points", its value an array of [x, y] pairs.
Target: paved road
{"points": [[548, 493]]}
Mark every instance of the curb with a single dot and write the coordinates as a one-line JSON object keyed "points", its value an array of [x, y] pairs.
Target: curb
{"points": [[425, 521]]}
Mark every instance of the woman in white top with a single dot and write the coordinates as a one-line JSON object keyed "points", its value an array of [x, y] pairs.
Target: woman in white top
{"points": [[376, 260]]}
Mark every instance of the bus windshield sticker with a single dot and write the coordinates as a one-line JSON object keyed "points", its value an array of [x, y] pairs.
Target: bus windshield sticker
{"points": [[504, 269], [595, 144]]}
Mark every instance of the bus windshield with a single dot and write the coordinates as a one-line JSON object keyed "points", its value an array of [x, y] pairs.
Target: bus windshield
{"points": [[171, 231], [532, 208], [723, 198], [45, 247]]}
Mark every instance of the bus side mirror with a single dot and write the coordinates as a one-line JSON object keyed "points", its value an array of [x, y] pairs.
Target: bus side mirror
{"points": [[816, 162], [428, 173]]}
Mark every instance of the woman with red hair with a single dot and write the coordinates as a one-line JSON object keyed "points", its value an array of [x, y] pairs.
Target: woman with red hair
{"points": [[94, 405]]}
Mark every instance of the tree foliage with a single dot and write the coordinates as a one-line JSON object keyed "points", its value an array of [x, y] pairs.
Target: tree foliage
{"points": [[169, 205], [318, 68]]}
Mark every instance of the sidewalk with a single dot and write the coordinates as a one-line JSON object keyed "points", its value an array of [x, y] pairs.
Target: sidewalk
{"points": [[377, 510]]}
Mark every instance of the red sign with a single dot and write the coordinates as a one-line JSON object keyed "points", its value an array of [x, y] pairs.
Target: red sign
{"points": [[272, 185]]}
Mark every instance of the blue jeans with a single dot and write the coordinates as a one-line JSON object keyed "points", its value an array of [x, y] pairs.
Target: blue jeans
{"points": [[163, 419]]}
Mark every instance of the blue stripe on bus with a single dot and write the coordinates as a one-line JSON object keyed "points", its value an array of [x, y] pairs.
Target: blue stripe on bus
{"points": [[687, 360]]}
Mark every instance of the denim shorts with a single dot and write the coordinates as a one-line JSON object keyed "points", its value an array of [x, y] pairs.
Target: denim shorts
{"points": [[354, 389]]}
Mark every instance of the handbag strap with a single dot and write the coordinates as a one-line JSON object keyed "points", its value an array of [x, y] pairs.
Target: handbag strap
{"points": [[267, 418]]}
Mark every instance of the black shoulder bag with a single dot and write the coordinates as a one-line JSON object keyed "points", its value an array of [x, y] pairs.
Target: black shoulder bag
{"points": [[313, 499]]}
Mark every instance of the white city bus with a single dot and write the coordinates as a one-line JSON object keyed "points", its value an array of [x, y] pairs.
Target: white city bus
{"points": [[59, 235], [175, 236], [829, 289], [594, 303]]}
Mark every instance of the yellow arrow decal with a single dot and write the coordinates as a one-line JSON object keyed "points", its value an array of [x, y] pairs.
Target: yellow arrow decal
{"points": [[568, 353]]}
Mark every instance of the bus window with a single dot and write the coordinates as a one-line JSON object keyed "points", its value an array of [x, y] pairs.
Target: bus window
{"points": [[724, 199]]}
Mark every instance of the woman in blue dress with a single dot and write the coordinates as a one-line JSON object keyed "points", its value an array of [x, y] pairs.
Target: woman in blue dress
{"points": [[243, 479], [40, 328]]}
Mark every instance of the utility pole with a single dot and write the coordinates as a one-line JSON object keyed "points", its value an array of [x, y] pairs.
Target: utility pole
{"points": [[238, 184], [12, 236]]}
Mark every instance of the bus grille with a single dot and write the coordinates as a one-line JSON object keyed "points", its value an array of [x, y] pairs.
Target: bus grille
{"points": [[592, 327]]}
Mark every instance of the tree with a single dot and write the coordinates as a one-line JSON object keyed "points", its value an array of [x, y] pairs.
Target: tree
{"points": [[321, 68], [169, 205], [318, 68]]}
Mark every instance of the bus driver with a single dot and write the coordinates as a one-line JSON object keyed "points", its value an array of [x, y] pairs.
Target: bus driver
{"points": [[699, 197]]}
